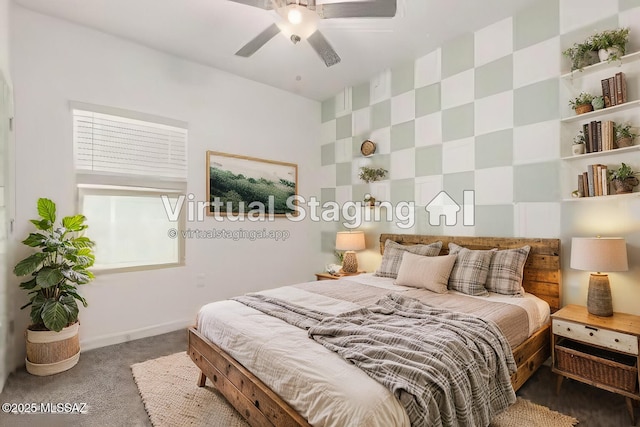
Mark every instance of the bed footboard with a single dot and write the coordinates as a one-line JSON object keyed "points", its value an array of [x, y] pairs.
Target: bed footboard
{"points": [[256, 402]]}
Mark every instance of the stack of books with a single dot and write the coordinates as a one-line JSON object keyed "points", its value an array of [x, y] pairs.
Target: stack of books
{"points": [[599, 136], [614, 90], [594, 182]]}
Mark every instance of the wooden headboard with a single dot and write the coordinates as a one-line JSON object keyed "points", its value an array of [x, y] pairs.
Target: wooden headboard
{"points": [[541, 272]]}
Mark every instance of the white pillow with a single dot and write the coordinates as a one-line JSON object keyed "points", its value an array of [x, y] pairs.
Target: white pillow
{"points": [[426, 272]]}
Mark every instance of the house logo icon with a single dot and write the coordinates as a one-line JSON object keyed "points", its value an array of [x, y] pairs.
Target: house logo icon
{"points": [[443, 205]]}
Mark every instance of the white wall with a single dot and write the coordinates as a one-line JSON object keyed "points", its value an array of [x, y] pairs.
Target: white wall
{"points": [[5, 111], [55, 62], [4, 40]]}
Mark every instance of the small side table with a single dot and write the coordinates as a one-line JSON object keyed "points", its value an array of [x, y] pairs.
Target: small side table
{"points": [[327, 276], [599, 351]]}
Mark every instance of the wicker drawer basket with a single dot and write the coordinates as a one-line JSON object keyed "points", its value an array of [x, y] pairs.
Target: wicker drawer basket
{"points": [[602, 366]]}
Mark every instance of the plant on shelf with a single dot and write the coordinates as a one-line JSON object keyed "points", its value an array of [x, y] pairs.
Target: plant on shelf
{"points": [[610, 44], [369, 200], [368, 174], [581, 55], [623, 179], [579, 144], [55, 271], [582, 103], [624, 135]]}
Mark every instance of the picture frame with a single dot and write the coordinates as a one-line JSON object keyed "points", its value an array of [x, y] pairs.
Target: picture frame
{"points": [[246, 184]]}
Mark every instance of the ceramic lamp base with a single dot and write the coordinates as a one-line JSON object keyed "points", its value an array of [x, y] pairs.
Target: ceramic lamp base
{"points": [[350, 262], [599, 297]]}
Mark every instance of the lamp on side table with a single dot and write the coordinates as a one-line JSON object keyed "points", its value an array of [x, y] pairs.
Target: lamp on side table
{"points": [[599, 254], [350, 241]]}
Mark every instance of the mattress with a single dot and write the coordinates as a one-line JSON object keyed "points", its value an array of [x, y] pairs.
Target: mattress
{"points": [[315, 381]]}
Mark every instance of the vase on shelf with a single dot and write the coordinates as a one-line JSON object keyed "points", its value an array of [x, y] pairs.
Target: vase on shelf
{"points": [[577, 149], [605, 54]]}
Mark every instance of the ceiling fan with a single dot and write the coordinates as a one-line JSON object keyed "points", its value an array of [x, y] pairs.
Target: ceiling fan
{"points": [[300, 21]]}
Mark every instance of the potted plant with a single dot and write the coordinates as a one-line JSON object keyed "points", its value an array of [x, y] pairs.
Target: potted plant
{"points": [[54, 272], [623, 179], [610, 44], [582, 103], [624, 135], [581, 55], [578, 146], [368, 174], [598, 102]]}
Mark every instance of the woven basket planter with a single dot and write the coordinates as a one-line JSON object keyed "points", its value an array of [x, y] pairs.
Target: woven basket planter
{"points": [[50, 352], [624, 142], [584, 108], [624, 186]]}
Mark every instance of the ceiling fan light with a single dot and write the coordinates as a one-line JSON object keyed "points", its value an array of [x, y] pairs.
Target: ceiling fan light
{"points": [[294, 16]]}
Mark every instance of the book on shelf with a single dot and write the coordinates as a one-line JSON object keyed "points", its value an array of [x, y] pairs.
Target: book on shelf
{"points": [[608, 135], [591, 189], [591, 131], [606, 94], [612, 90], [619, 96], [598, 136], [585, 184], [605, 181], [587, 140], [581, 185]]}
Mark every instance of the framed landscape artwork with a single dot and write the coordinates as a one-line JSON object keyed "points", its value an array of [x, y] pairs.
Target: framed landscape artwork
{"points": [[244, 184]]}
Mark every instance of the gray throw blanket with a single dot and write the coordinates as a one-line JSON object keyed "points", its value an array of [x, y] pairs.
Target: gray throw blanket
{"points": [[446, 368]]}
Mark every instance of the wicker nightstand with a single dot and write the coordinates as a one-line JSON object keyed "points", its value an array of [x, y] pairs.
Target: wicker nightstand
{"points": [[600, 351]]}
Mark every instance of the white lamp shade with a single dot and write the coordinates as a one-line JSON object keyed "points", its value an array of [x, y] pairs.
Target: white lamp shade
{"points": [[599, 254], [350, 241]]}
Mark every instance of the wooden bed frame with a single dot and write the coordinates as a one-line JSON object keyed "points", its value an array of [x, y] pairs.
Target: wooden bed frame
{"points": [[261, 407]]}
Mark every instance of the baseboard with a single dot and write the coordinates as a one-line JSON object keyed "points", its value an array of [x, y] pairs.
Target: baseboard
{"points": [[134, 334]]}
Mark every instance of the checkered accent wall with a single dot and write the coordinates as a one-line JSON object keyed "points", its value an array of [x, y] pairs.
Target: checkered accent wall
{"points": [[480, 113]]}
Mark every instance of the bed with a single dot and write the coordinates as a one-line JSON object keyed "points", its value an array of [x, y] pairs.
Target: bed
{"points": [[261, 406]]}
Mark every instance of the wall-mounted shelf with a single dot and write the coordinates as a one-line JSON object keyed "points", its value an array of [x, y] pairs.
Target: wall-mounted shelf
{"points": [[600, 66], [602, 198], [603, 153], [602, 112]]}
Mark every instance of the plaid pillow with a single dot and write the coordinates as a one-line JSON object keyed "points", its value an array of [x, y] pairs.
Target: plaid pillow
{"points": [[392, 256], [505, 271], [470, 271]]}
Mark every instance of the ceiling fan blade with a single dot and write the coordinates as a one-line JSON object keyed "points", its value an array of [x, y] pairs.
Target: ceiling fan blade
{"points": [[320, 44], [362, 9], [259, 41], [262, 4]]}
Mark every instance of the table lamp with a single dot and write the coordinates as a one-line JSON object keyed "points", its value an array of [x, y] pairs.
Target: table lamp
{"points": [[602, 255], [350, 241]]}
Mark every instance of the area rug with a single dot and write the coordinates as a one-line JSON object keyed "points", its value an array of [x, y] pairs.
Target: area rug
{"points": [[172, 398]]}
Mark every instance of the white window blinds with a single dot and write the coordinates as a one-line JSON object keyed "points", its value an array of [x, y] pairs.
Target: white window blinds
{"points": [[109, 144]]}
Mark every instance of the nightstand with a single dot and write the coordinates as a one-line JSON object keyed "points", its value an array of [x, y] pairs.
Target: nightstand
{"points": [[599, 351], [327, 276]]}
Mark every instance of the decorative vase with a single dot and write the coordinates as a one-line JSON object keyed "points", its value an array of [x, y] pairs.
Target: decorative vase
{"points": [[50, 352], [624, 142], [598, 103], [577, 149], [583, 108], [605, 54], [624, 186]]}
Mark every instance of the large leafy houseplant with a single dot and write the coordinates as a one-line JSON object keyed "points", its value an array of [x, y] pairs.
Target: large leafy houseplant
{"points": [[56, 269]]}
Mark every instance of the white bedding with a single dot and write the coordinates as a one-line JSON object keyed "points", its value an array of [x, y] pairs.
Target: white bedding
{"points": [[315, 381]]}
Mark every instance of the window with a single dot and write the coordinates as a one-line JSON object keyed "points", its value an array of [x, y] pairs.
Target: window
{"points": [[124, 164]]}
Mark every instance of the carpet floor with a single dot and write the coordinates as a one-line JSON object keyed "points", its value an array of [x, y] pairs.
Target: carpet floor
{"points": [[103, 380], [172, 398]]}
